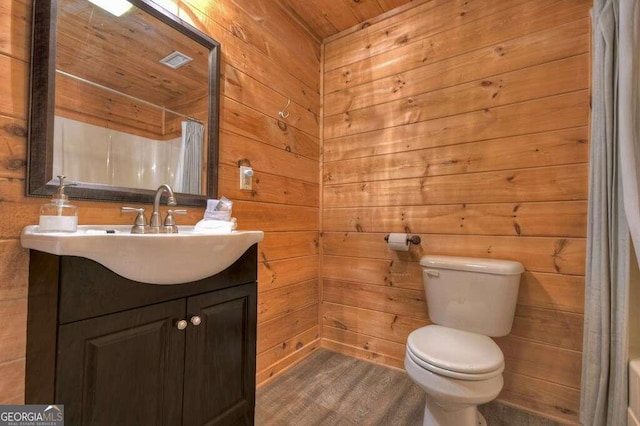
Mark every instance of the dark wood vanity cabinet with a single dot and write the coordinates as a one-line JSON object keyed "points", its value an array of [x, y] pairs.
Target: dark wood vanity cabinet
{"points": [[115, 352]]}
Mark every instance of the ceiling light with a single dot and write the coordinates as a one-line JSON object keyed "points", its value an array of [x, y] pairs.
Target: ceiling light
{"points": [[114, 7], [175, 60]]}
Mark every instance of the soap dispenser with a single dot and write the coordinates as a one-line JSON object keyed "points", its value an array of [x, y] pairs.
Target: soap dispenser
{"points": [[59, 215]]}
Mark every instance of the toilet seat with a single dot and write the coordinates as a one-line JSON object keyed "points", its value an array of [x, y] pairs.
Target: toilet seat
{"points": [[455, 353]]}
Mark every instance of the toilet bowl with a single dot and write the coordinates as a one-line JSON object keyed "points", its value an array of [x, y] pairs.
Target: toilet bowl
{"points": [[454, 360], [457, 370]]}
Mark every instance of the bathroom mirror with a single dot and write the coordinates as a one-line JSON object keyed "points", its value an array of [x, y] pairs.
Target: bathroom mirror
{"points": [[122, 104]]}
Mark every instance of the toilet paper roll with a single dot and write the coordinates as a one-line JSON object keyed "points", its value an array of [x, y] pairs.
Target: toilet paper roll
{"points": [[398, 242]]}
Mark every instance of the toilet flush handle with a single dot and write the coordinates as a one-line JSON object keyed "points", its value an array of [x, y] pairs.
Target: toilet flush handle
{"points": [[432, 272]]}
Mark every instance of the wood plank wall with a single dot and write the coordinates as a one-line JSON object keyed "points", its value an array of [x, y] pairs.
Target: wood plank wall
{"points": [[83, 102], [259, 74], [464, 122]]}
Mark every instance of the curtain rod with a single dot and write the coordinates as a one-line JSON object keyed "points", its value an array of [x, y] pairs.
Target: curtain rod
{"points": [[108, 89]]}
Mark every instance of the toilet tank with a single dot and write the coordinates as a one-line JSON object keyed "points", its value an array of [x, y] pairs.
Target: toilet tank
{"points": [[472, 294]]}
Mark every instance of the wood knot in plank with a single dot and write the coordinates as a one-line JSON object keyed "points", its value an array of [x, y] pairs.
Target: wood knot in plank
{"points": [[15, 164], [399, 83], [347, 119], [238, 31], [564, 410], [281, 125], [402, 40], [15, 130], [558, 249], [395, 318], [409, 103], [232, 79], [339, 325], [265, 261]]}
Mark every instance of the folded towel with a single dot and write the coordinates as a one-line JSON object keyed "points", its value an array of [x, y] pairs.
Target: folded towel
{"points": [[215, 226]]}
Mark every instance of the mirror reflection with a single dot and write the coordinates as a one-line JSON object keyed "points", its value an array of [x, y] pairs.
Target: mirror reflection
{"points": [[135, 102], [131, 100]]}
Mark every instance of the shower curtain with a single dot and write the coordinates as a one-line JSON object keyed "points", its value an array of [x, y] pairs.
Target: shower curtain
{"points": [[188, 177], [614, 211]]}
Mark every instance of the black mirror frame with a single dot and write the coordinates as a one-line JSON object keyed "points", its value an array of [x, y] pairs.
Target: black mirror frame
{"points": [[42, 110]]}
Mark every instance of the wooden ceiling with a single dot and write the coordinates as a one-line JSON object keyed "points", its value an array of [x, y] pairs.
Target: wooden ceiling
{"points": [[124, 53], [325, 18]]}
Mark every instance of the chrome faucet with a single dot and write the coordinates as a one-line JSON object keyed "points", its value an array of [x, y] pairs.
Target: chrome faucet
{"points": [[155, 224], [156, 220]]}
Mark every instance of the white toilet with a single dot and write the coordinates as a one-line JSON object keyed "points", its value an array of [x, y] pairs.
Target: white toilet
{"points": [[454, 360]]}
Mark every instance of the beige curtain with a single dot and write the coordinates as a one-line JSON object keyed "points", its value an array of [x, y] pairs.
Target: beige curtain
{"points": [[188, 177], [613, 188]]}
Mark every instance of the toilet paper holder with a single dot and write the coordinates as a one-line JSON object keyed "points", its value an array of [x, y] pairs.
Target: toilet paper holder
{"points": [[412, 240]]}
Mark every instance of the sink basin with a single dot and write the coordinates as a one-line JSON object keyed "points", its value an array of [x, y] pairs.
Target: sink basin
{"points": [[149, 258]]}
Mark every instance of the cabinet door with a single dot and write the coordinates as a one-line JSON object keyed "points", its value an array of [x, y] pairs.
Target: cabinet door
{"points": [[124, 368], [220, 358]]}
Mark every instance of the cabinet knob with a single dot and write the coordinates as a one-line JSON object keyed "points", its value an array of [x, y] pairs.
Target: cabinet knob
{"points": [[196, 320], [181, 325]]}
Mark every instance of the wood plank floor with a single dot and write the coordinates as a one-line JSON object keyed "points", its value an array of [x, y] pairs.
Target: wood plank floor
{"points": [[330, 389], [333, 389]]}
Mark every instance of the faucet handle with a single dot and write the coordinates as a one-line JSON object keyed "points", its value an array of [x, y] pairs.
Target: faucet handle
{"points": [[170, 226], [140, 222]]}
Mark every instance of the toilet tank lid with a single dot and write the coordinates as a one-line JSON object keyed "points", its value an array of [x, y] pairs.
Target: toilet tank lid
{"points": [[474, 264]]}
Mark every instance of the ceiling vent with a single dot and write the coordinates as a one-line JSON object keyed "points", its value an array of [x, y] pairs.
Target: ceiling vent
{"points": [[176, 60]]}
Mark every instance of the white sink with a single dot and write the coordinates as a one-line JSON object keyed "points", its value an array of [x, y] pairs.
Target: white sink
{"points": [[149, 258]]}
